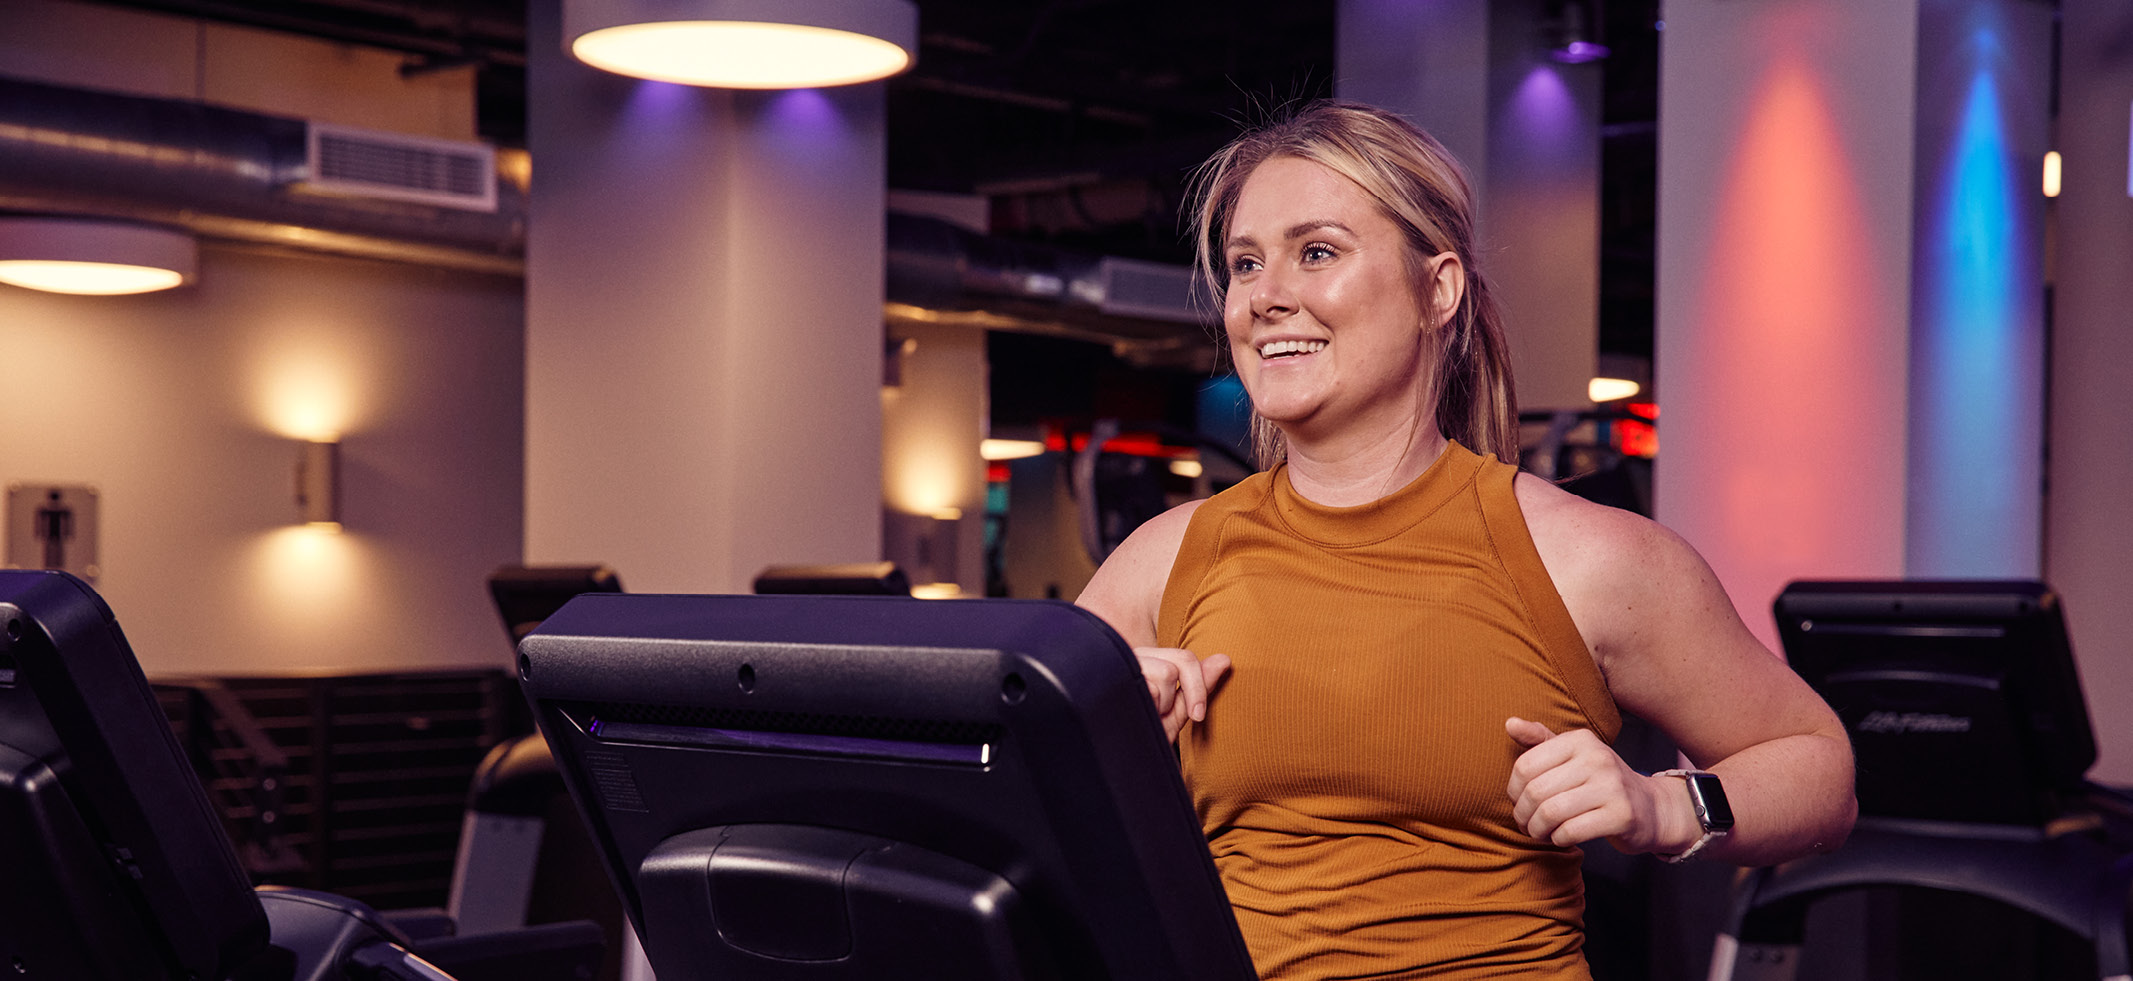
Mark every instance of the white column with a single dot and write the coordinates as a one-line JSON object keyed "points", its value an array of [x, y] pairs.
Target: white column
{"points": [[1850, 314], [1784, 261], [704, 287], [1477, 76]]}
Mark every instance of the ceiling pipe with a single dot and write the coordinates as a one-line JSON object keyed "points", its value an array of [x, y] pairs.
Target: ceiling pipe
{"points": [[224, 174], [1149, 313]]}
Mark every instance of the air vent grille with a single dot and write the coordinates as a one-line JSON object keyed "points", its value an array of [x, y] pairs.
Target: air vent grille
{"points": [[1157, 291], [366, 163]]}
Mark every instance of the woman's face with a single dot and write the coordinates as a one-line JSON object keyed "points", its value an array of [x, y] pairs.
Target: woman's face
{"points": [[1324, 322]]}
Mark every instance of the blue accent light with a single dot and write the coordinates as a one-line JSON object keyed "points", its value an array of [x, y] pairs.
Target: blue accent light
{"points": [[1976, 339], [1225, 413]]}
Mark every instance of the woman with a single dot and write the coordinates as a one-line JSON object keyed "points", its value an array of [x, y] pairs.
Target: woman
{"points": [[1392, 664]]}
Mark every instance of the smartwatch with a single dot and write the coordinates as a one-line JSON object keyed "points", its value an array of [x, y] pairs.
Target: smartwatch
{"points": [[1712, 811]]}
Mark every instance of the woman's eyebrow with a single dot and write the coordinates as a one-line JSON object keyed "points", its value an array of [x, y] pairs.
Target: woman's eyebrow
{"points": [[1303, 228], [1296, 231]]}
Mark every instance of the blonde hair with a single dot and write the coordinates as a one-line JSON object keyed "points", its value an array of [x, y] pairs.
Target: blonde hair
{"points": [[1422, 189]]}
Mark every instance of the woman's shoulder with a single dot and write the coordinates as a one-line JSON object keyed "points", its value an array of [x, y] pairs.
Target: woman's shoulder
{"points": [[1611, 566], [1555, 515]]}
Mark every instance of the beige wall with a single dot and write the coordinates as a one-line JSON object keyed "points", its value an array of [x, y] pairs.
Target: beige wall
{"points": [[2088, 537], [181, 408], [133, 52]]}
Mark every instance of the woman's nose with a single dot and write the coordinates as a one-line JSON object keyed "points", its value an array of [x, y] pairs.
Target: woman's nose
{"points": [[1271, 295]]}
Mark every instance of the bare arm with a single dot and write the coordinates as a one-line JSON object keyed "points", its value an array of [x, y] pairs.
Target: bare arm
{"points": [[1127, 592], [1675, 653]]}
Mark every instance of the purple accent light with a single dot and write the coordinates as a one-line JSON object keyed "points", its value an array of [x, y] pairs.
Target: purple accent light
{"points": [[650, 100], [804, 108], [1580, 52], [1544, 107]]}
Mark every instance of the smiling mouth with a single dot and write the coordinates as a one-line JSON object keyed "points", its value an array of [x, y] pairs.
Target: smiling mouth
{"points": [[1289, 349]]}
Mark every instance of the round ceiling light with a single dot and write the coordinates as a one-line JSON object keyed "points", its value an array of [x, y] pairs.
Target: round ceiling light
{"points": [[745, 44], [94, 257]]}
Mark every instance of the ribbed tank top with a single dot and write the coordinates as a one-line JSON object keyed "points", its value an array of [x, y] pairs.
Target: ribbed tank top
{"points": [[1350, 774]]}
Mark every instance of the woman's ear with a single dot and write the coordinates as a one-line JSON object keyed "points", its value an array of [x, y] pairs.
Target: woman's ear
{"points": [[1445, 284]]}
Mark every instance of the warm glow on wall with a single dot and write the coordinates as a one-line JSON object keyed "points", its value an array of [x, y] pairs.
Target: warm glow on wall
{"points": [[302, 565], [2051, 174], [924, 487], [306, 590], [306, 394]]}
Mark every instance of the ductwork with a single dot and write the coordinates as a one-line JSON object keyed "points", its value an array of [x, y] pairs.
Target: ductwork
{"points": [[221, 173], [1149, 312], [234, 175]]}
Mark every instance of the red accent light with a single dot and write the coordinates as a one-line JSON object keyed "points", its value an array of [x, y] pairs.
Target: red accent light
{"points": [[1131, 444], [1637, 438]]}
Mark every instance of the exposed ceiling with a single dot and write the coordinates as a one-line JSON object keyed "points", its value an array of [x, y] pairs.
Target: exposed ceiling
{"points": [[1080, 118]]}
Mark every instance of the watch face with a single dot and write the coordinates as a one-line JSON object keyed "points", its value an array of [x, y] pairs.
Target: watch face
{"points": [[1710, 798]]}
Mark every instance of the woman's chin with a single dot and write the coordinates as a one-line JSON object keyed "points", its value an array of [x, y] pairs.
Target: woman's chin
{"points": [[1282, 405], [1292, 422]]}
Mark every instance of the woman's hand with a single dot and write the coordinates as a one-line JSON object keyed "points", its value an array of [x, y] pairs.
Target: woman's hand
{"points": [[1179, 683], [1572, 788]]}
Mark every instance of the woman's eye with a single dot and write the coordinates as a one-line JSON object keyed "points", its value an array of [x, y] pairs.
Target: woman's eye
{"points": [[1316, 253], [1242, 264]]}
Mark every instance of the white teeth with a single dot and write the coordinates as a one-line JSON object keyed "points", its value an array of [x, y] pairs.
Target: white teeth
{"points": [[1279, 348]]}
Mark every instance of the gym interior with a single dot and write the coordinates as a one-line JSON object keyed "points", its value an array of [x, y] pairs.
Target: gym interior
{"points": [[937, 336]]}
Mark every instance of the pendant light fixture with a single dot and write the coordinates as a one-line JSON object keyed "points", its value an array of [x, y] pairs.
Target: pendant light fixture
{"points": [[94, 257], [745, 44]]}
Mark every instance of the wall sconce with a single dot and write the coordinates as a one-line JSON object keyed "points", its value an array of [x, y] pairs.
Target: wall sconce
{"points": [[94, 257], [924, 546], [318, 483], [745, 44], [893, 353]]}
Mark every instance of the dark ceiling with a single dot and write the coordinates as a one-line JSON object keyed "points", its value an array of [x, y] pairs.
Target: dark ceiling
{"points": [[1080, 119]]}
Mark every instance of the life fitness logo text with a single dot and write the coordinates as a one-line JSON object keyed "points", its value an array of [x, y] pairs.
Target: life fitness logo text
{"points": [[1907, 722]]}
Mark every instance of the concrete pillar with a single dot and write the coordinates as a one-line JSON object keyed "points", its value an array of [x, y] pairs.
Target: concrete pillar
{"points": [[1849, 323], [1478, 77], [932, 478], [704, 287], [2089, 541]]}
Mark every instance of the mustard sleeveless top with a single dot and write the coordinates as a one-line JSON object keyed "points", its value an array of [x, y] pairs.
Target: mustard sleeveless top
{"points": [[1350, 774]]}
